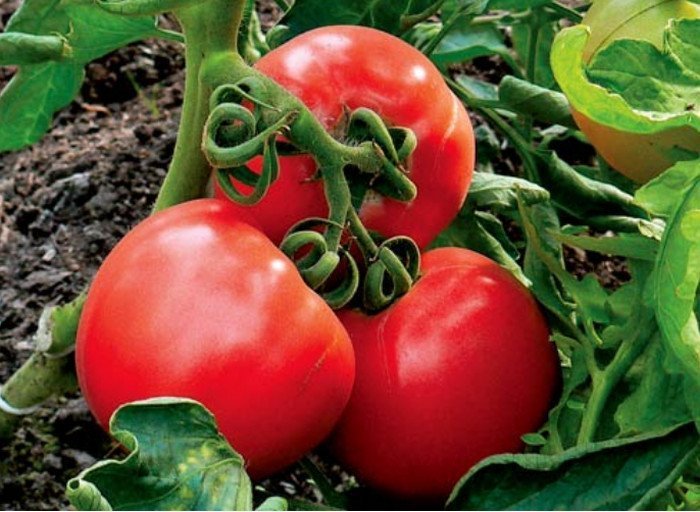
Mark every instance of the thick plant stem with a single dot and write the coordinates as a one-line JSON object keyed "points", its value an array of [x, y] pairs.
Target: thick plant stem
{"points": [[211, 29]]}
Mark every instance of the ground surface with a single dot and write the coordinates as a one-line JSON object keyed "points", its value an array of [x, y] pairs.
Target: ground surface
{"points": [[64, 203]]}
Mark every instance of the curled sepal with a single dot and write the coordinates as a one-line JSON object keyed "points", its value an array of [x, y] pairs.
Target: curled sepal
{"points": [[144, 7], [17, 49], [306, 245], [250, 88], [339, 296], [230, 138], [404, 141], [392, 274], [365, 124], [392, 146], [309, 251], [260, 183], [317, 265], [391, 182]]}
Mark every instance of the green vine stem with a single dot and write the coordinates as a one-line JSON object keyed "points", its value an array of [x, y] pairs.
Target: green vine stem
{"points": [[211, 35], [605, 381]]}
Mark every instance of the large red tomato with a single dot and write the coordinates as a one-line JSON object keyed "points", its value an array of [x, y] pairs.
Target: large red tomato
{"points": [[196, 303], [456, 370], [332, 69]]}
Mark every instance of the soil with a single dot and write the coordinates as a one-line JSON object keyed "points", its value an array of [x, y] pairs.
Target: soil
{"points": [[64, 203]]}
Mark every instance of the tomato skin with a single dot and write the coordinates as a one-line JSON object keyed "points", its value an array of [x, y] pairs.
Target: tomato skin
{"points": [[456, 370], [640, 157], [196, 303], [335, 68]]}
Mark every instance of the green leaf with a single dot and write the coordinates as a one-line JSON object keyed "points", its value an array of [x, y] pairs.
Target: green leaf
{"points": [[622, 302], [657, 400], [611, 475], [627, 108], [95, 32], [466, 41], [583, 198], [671, 86], [393, 16], [564, 419], [674, 285], [542, 255], [331, 497], [629, 245], [542, 104], [478, 88], [39, 17], [27, 104], [17, 49], [274, 503], [501, 192], [38, 90], [488, 148], [178, 461], [452, 8], [516, 5], [539, 222], [483, 233], [544, 29]]}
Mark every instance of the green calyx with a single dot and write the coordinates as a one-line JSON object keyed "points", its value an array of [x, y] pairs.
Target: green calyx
{"points": [[371, 155]]}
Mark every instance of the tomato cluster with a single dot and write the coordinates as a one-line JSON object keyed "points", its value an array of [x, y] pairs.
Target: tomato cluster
{"points": [[198, 302]]}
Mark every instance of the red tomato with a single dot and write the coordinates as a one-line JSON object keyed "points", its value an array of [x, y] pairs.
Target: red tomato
{"points": [[196, 303], [332, 69], [456, 370]]}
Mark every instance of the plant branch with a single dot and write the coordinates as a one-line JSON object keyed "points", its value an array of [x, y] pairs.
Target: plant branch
{"points": [[605, 381], [211, 38], [565, 12]]}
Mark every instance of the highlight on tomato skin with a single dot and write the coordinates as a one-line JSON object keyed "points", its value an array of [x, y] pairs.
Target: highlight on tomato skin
{"points": [[339, 68], [195, 302], [457, 370], [640, 157]]}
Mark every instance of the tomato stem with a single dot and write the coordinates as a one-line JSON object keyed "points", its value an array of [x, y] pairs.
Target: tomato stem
{"points": [[364, 241], [211, 32]]}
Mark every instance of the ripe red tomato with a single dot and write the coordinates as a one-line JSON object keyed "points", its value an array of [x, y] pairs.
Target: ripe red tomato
{"points": [[332, 69], [196, 303], [456, 370], [638, 156]]}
